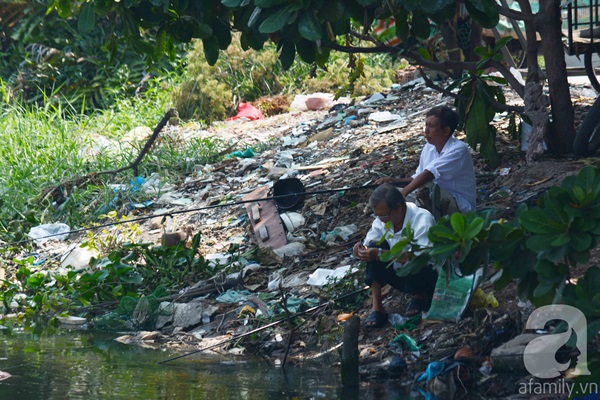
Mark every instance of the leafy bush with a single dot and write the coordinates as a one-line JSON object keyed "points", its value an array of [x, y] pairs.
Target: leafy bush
{"points": [[540, 247], [212, 92], [47, 59]]}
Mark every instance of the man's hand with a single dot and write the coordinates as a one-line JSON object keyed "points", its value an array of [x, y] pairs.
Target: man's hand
{"points": [[364, 253]]}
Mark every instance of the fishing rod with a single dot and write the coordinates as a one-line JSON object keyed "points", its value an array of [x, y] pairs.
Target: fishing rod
{"points": [[171, 213], [262, 328]]}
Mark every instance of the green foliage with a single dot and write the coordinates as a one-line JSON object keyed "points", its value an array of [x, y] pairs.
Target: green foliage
{"points": [[336, 288], [132, 271], [475, 104], [539, 247], [105, 242], [302, 27], [83, 62], [42, 148], [211, 93]]}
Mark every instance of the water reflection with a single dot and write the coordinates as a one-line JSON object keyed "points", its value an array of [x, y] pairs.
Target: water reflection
{"points": [[67, 365]]}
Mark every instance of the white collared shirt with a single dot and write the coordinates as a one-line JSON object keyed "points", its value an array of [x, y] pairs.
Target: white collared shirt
{"points": [[452, 170], [420, 221]]}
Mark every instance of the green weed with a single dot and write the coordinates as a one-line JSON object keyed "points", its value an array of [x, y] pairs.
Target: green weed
{"points": [[44, 146]]}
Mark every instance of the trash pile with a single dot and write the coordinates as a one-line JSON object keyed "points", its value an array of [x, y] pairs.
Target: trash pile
{"points": [[302, 246]]}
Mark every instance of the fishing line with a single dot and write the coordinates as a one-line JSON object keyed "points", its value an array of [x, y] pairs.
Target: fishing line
{"points": [[176, 212]]}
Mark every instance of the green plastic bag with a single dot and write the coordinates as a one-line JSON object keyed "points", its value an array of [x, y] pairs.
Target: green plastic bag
{"points": [[451, 296]]}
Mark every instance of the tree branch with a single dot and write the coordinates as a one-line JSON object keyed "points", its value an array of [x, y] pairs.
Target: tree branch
{"points": [[510, 78], [366, 50], [514, 14], [56, 190], [368, 38], [446, 92]]}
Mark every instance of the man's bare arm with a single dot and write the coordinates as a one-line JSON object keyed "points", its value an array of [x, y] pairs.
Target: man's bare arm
{"points": [[417, 182]]}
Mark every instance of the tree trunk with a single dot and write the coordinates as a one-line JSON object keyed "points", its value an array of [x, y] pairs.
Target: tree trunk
{"points": [[562, 132], [448, 30], [535, 101]]}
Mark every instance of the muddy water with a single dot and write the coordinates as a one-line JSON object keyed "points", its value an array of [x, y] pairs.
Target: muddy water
{"points": [[73, 365]]}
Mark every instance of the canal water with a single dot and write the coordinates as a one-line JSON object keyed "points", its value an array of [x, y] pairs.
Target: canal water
{"points": [[70, 365]]}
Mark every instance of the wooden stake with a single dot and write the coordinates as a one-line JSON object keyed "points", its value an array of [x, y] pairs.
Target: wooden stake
{"points": [[350, 353]]}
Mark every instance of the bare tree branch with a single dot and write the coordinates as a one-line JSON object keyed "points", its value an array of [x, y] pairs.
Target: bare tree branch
{"points": [[368, 38], [510, 78], [514, 14]]}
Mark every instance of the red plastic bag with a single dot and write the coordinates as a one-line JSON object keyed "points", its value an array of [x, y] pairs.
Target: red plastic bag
{"points": [[246, 110]]}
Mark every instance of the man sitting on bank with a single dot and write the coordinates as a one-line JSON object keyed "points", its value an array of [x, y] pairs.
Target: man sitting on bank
{"points": [[389, 205], [445, 176]]}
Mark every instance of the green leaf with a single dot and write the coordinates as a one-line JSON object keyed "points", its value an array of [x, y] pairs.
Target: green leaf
{"points": [[63, 7], [473, 228], [277, 20], [160, 46], [307, 51], [420, 26], [560, 240], [474, 259], [133, 278], [84, 302], [413, 266], [334, 11], [501, 43], [433, 6], [543, 288], [222, 32], [484, 12], [288, 53], [424, 53], [402, 26], [254, 17], [309, 27], [269, 3], [86, 18], [458, 224], [438, 232], [581, 242], [445, 249], [231, 3], [539, 243], [537, 220], [211, 50]]}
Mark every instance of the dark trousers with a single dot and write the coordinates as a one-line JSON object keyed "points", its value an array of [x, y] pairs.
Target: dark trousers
{"points": [[421, 283]]}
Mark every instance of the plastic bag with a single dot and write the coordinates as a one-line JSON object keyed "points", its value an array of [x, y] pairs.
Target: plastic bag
{"points": [[246, 110], [45, 232], [451, 296]]}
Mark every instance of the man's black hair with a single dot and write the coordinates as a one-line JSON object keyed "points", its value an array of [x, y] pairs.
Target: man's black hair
{"points": [[388, 193], [448, 117]]}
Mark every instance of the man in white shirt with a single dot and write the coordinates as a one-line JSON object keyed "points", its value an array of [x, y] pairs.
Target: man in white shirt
{"points": [[390, 208], [445, 172]]}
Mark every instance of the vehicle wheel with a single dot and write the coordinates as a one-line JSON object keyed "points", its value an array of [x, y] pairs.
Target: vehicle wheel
{"points": [[587, 138], [590, 69]]}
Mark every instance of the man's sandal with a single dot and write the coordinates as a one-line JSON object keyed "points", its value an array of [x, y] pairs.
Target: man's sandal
{"points": [[376, 319], [416, 306]]}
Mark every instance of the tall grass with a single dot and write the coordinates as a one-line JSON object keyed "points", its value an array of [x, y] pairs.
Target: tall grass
{"points": [[43, 146]]}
